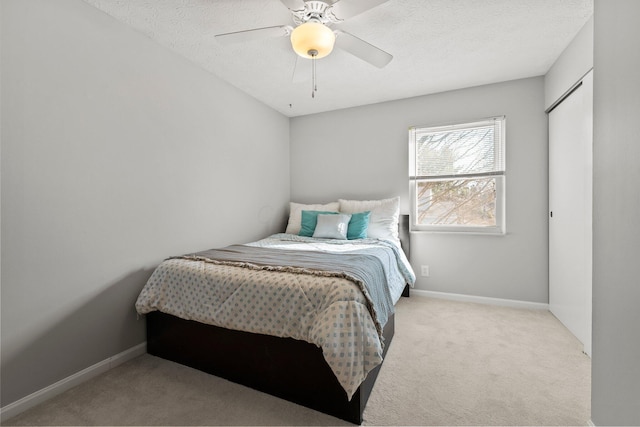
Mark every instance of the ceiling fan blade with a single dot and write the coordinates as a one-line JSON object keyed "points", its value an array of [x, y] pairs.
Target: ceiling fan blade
{"points": [[344, 9], [363, 50], [254, 34], [293, 4]]}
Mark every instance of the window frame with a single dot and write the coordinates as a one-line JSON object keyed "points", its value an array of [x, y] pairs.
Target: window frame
{"points": [[500, 179]]}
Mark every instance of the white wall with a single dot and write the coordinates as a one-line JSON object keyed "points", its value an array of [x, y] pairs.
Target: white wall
{"points": [[616, 208], [116, 153], [363, 153], [575, 61]]}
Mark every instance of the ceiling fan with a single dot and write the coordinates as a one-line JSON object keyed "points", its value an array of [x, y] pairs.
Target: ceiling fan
{"points": [[311, 36]]}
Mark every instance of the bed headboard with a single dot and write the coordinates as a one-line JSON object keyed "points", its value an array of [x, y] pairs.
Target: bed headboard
{"points": [[403, 231]]}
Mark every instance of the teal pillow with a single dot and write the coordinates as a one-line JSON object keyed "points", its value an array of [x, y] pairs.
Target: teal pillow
{"points": [[358, 225], [309, 221]]}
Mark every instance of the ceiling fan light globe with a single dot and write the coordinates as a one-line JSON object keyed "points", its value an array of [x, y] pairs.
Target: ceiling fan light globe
{"points": [[312, 36]]}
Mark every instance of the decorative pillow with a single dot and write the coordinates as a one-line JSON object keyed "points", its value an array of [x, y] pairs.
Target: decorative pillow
{"points": [[295, 209], [358, 225], [309, 219], [385, 215], [332, 226]]}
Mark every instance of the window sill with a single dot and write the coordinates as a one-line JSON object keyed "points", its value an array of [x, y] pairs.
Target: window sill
{"points": [[493, 232]]}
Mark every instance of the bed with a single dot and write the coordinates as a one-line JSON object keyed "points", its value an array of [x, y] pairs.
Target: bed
{"points": [[307, 318]]}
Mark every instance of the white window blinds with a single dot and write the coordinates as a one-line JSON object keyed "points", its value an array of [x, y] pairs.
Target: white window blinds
{"points": [[466, 150]]}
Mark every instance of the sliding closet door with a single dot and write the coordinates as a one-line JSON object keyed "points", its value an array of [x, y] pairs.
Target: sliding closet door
{"points": [[570, 210]]}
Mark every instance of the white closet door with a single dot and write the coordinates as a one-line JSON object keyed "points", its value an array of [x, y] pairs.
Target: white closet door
{"points": [[570, 210]]}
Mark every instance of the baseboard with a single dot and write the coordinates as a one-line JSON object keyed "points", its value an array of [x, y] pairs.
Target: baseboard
{"points": [[590, 423], [481, 300], [15, 408]]}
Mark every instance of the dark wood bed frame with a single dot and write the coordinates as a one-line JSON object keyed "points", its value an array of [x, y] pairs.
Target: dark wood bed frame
{"points": [[284, 367]]}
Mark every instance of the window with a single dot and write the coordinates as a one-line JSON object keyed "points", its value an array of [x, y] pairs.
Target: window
{"points": [[457, 177]]}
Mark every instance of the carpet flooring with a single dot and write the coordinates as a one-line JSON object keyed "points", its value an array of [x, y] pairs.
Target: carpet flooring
{"points": [[450, 363]]}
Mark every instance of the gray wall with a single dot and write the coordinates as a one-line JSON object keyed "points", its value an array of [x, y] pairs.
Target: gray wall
{"points": [[616, 209], [363, 153], [116, 153]]}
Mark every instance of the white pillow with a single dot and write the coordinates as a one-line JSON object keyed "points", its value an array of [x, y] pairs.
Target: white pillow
{"points": [[332, 226], [295, 214], [385, 215]]}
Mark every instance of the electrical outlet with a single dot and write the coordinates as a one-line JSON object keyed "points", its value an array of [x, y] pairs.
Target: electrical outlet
{"points": [[425, 271]]}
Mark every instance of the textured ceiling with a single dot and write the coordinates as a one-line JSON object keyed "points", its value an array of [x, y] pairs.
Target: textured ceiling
{"points": [[437, 45]]}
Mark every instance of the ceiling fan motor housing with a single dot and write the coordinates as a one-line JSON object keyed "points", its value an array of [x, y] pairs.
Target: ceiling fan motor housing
{"points": [[317, 10]]}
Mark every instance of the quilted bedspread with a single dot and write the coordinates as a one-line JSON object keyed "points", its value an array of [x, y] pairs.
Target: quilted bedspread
{"points": [[324, 307]]}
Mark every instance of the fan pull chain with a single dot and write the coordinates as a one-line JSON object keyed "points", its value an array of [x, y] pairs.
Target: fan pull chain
{"points": [[314, 87]]}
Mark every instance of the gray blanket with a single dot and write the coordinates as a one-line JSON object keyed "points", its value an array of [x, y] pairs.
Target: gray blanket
{"points": [[365, 267]]}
